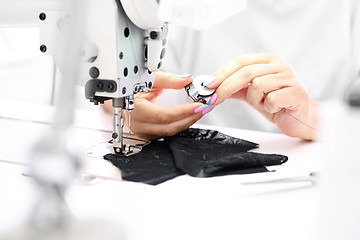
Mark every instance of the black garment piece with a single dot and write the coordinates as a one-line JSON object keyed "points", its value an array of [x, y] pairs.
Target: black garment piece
{"points": [[153, 165], [206, 153], [197, 152]]}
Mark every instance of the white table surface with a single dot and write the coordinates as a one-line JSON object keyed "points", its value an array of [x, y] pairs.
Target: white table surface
{"points": [[182, 208]]}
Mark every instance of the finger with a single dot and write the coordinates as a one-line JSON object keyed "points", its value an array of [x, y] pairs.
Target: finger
{"points": [[242, 78], [152, 131], [289, 98], [241, 95], [146, 111], [152, 96], [171, 81], [207, 110], [262, 85], [238, 63]]}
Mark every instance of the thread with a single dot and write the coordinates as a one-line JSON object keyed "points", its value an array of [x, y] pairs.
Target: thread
{"points": [[299, 120]]}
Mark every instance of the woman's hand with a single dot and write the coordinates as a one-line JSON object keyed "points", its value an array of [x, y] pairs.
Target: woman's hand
{"points": [[149, 120], [269, 84]]}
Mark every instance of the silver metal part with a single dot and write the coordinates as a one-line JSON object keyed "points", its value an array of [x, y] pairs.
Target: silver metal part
{"points": [[142, 87], [198, 92], [118, 125], [129, 103], [311, 177], [120, 147], [118, 142]]}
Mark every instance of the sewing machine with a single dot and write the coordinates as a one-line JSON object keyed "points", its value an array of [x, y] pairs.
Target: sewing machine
{"points": [[112, 48], [118, 58], [124, 42]]}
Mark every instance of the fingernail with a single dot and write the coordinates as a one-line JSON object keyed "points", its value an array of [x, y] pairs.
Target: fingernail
{"points": [[201, 108], [209, 81], [208, 109], [185, 76], [267, 110], [213, 99]]}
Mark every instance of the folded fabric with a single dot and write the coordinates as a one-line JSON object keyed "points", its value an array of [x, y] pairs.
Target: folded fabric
{"points": [[197, 152]]}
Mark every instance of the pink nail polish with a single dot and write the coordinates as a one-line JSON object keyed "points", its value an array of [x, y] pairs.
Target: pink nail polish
{"points": [[209, 81], [185, 76], [201, 108], [213, 99], [208, 109]]}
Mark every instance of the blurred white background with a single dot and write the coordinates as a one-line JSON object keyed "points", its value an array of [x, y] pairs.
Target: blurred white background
{"points": [[26, 74]]}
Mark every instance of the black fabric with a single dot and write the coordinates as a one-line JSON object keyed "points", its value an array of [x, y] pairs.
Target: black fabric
{"points": [[197, 152], [153, 165]]}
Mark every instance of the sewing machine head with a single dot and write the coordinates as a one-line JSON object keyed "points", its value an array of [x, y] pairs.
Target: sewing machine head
{"points": [[125, 43], [129, 56], [133, 41]]}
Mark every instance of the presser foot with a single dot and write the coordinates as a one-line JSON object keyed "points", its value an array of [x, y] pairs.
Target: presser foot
{"points": [[126, 152], [133, 146]]}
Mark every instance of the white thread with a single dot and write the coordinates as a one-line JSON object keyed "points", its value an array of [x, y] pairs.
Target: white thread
{"points": [[300, 121]]}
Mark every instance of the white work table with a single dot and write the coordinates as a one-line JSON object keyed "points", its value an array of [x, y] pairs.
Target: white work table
{"points": [[182, 208]]}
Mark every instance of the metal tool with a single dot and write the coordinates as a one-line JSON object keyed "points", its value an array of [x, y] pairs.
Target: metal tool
{"points": [[197, 91], [311, 177]]}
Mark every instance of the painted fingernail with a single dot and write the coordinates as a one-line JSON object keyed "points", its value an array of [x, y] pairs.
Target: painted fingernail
{"points": [[208, 109], [208, 81], [201, 108], [185, 76], [213, 99]]}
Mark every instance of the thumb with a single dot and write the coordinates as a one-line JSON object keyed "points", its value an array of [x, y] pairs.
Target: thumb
{"points": [[171, 81]]}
